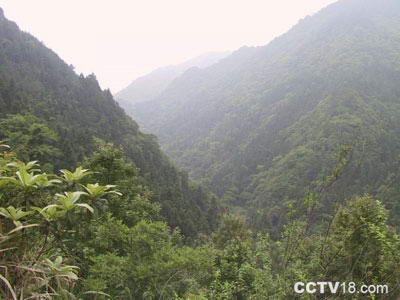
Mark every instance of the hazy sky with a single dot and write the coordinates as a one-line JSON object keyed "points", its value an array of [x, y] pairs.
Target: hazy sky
{"points": [[120, 40]]}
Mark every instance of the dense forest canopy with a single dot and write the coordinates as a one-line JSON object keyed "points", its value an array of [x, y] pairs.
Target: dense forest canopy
{"points": [[297, 139], [265, 123]]}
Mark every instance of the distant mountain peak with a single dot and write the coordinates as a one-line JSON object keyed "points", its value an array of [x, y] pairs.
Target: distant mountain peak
{"points": [[147, 87]]}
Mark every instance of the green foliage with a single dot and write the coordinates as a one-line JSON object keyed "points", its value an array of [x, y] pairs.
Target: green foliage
{"points": [[264, 124], [356, 246], [145, 263], [27, 178], [368, 248], [121, 250], [234, 275], [264, 128], [30, 137], [68, 201], [32, 265], [77, 175], [96, 190], [50, 114], [14, 214]]}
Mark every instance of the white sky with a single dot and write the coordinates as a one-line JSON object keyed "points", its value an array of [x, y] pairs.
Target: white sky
{"points": [[120, 40]]}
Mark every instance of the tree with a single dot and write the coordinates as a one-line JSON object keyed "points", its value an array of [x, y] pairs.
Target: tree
{"points": [[34, 208], [30, 138], [362, 247]]}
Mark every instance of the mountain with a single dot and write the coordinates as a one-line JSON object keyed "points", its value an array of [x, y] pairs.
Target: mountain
{"points": [[66, 114], [287, 133], [149, 86], [266, 124]]}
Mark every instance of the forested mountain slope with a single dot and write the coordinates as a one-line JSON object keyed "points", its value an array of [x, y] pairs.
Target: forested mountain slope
{"points": [[149, 86], [287, 131], [263, 125], [53, 115]]}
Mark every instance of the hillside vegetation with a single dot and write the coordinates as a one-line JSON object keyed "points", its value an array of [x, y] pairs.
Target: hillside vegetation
{"points": [[51, 114], [265, 123], [299, 139]]}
